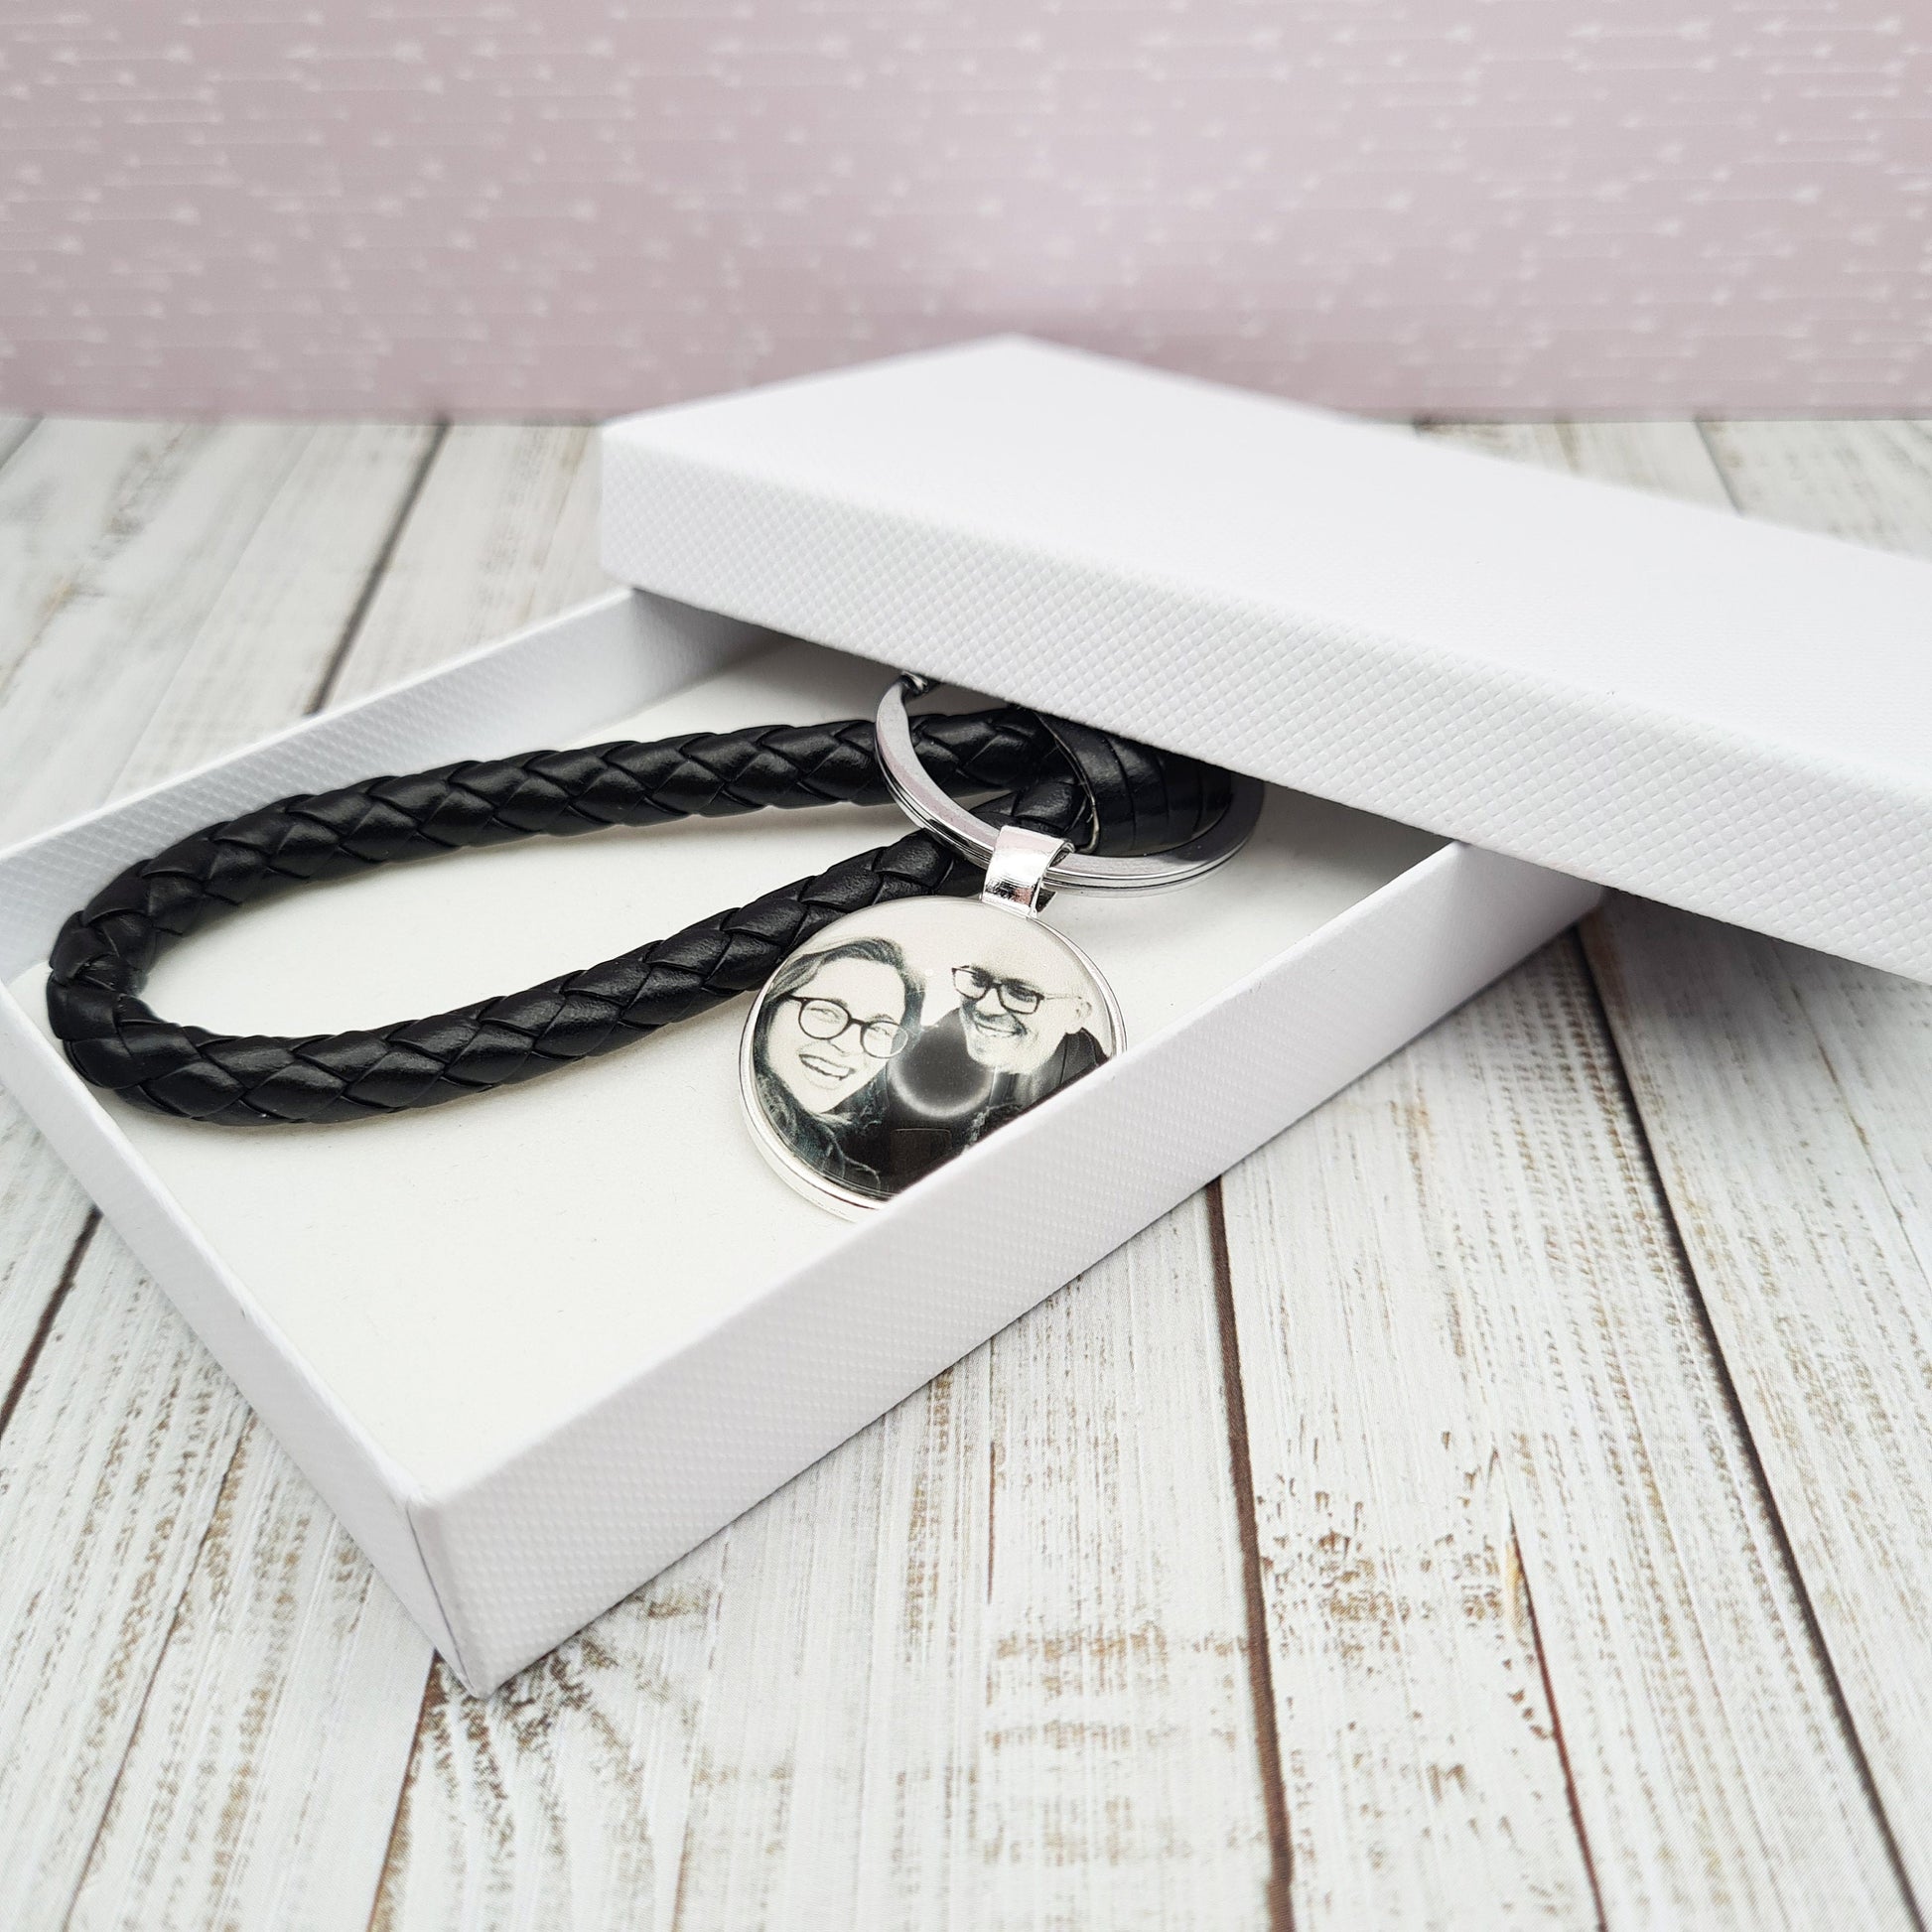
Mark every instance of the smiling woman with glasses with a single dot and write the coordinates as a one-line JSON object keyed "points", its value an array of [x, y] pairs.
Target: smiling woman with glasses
{"points": [[825, 1019], [829, 1025]]}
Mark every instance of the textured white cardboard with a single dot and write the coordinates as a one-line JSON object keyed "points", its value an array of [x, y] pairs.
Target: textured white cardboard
{"points": [[1731, 717], [534, 1348]]}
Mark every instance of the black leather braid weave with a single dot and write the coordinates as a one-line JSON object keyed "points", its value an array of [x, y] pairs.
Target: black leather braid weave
{"points": [[1105, 793]]}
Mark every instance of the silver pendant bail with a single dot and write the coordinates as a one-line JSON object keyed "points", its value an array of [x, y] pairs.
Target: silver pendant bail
{"points": [[1016, 872]]}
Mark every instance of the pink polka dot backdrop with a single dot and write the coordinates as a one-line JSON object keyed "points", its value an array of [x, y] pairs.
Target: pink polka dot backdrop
{"points": [[477, 207]]}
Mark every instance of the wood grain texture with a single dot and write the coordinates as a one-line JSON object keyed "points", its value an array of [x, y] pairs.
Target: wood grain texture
{"points": [[1668, 458], [270, 640], [1497, 1196], [562, 1800], [983, 1665], [116, 1543], [1433, 1343], [1424, 1778], [1870, 482], [115, 631], [71, 493], [1537, 1644], [186, 602], [1712, 1773], [503, 534], [274, 1729], [285, 1649], [43, 1212], [1785, 1093], [109, 1471]]}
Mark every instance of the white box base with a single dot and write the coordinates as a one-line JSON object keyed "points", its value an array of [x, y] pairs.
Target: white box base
{"points": [[534, 1346]]}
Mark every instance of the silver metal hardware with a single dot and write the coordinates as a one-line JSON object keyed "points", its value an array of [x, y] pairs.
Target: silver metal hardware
{"points": [[1015, 874], [929, 806]]}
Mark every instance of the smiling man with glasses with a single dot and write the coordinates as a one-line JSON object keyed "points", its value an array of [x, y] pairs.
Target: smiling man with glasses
{"points": [[1020, 1032]]}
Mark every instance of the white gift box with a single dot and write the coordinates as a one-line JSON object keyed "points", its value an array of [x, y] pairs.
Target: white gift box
{"points": [[534, 1346], [1709, 711]]}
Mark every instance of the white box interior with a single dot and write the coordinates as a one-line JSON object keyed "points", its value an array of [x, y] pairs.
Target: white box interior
{"points": [[464, 1277]]}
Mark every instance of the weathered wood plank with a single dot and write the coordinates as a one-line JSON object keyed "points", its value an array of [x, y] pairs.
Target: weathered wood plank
{"points": [[1871, 483], [1669, 459], [561, 1801], [1784, 1095], [260, 656], [71, 495], [1121, 1776], [261, 1784], [14, 431], [276, 1725], [240, 549], [984, 1664], [294, 557], [114, 632], [1425, 1782], [72, 511], [504, 532], [108, 1472], [1498, 1194], [42, 1215]]}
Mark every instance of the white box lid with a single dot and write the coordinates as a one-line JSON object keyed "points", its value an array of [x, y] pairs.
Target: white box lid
{"points": [[1720, 713]]}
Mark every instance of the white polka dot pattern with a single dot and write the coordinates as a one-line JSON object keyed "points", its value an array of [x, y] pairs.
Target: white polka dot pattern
{"points": [[351, 206]]}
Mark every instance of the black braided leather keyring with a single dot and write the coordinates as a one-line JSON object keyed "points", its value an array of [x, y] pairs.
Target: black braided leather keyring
{"points": [[1107, 794]]}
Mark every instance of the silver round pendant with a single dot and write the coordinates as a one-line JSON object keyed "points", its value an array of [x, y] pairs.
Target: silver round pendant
{"points": [[903, 1035]]}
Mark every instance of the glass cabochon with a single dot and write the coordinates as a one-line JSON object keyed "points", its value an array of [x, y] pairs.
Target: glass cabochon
{"points": [[903, 1034]]}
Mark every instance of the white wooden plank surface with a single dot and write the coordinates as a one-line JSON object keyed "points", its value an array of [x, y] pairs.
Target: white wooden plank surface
{"points": [[265, 649], [990, 1663], [1675, 460], [104, 1509], [113, 1458], [1785, 1094], [1545, 1253], [286, 1649], [1871, 483], [275, 1724], [113, 640], [42, 1215], [1495, 1194], [983, 1665], [1121, 1748], [503, 533], [73, 537], [71, 493], [1424, 1778]]}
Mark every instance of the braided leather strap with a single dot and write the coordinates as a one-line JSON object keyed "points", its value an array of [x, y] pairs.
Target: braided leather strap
{"points": [[1103, 792]]}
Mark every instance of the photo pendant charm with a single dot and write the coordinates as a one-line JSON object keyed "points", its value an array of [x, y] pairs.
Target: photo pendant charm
{"points": [[900, 1036]]}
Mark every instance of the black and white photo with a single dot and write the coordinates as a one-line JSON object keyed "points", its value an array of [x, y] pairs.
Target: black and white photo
{"points": [[906, 1033]]}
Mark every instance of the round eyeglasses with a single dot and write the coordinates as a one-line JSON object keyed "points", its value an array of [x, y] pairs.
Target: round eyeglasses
{"points": [[974, 983], [821, 1019]]}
